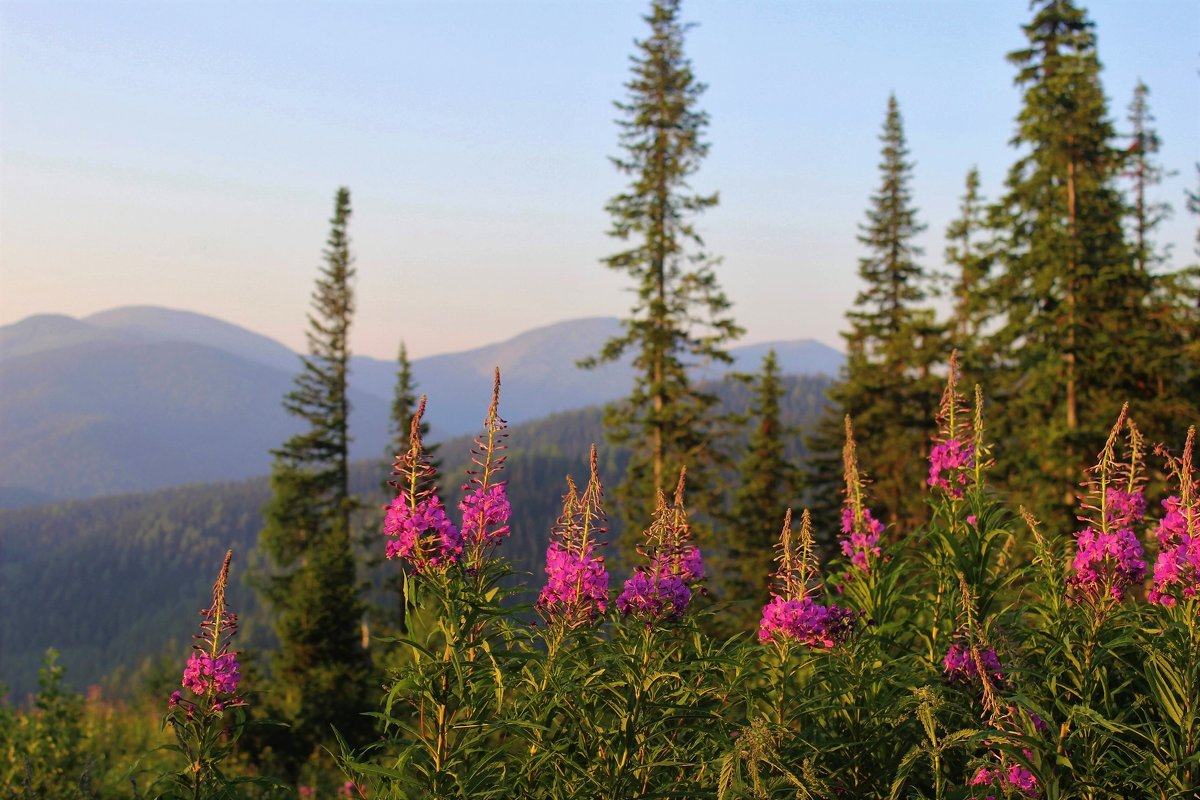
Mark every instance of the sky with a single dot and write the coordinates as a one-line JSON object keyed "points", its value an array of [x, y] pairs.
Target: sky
{"points": [[186, 154]]}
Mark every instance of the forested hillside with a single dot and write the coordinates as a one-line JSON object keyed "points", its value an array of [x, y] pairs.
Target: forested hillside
{"points": [[115, 580]]}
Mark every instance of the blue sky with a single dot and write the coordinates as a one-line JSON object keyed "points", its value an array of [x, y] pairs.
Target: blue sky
{"points": [[185, 154]]}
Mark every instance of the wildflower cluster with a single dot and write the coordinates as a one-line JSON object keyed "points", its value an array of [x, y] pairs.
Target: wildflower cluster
{"points": [[422, 533], [663, 588], [792, 615], [499, 707], [961, 665], [1108, 556], [485, 515], [485, 507], [953, 454], [212, 672], [208, 716], [576, 590], [1014, 778], [1177, 568], [860, 530]]}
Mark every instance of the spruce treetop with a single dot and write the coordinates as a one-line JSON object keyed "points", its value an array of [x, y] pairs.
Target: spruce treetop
{"points": [[680, 315]]}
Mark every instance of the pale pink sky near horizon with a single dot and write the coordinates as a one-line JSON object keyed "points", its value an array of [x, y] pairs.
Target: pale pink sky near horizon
{"points": [[186, 154]]}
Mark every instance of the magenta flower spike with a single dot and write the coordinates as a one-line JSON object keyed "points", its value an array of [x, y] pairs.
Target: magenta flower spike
{"points": [[952, 458], [485, 507], [1108, 555], [576, 590], [421, 532], [1177, 568], [792, 615], [212, 673], [663, 588], [1013, 779], [961, 666], [860, 530]]}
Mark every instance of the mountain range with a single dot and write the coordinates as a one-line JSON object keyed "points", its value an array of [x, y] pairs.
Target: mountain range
{"points": [[138, 398]]}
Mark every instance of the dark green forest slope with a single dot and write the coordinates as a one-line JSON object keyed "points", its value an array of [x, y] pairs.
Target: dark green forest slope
{"points": [[112, 582]]}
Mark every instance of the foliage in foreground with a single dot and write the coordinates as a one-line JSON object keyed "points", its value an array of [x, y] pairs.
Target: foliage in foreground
{"points": [[980, 656]]}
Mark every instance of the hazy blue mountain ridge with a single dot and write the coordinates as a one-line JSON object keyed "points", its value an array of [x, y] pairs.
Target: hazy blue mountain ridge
{"points": [[140, 397]]}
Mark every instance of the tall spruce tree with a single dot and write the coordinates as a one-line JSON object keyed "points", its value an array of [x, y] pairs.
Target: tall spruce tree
{"points": [[1170, 326], [968, 251], [768, 484], [1144, 173], [893, 345], [320, 672], [1073, 300], [680, 317]]}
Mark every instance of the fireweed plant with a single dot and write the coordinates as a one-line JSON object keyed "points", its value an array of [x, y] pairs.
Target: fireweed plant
{"points": [[208, 713], [978, 656]]}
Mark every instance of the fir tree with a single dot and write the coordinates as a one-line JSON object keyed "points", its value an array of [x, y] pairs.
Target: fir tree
{"points": [[893, 344], [319, 673], [768, 484], [968, 251], [1170, 324], [680, 315], [1073, 300], [1144, 174]]}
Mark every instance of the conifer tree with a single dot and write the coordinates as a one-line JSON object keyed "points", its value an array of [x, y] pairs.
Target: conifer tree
{"points": [[968, 251], [320, 671], [1170, 326], [1144, 173], [1073, 300], [680, 317], [893, 344], [768, 484]]}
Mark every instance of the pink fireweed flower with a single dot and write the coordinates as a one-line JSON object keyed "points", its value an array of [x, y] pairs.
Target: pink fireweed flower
{"points": [[861, 531], [350, 789], [421, 532], [805, 622], [205, 674], [576, 585], [212, 672], [1016, 777], [1111, 561], [687, 564], [1108, 556], [485, 515], [485, 507], [654, 596], [1177, 568], [949, 463], [860, 543], [663, 588], [1125, 509], [791, 615], [959, 665], [958, 445], [576, 590], [424, 536]]}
